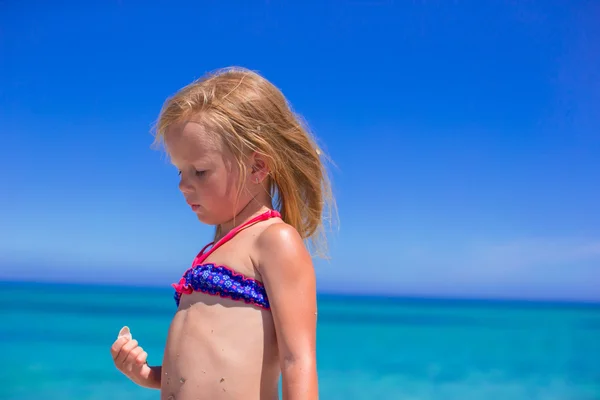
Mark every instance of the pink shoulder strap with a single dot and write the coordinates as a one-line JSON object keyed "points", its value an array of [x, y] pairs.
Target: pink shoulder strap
{"points": [[262, 217]]}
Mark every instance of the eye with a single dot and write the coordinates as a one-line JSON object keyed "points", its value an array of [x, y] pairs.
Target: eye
{"points": [[196, 172]]}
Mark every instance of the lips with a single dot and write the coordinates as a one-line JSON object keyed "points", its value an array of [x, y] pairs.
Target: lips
{"points": [[194, 206]]}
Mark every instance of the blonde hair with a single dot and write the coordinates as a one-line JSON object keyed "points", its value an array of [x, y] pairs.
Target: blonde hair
{"points": [[252, 115]]}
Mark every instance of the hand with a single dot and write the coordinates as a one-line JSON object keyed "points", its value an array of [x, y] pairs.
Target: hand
{"points": [[130, 359]]}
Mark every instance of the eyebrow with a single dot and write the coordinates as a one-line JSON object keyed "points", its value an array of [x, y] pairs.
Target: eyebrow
{"points": [[204, 161]]}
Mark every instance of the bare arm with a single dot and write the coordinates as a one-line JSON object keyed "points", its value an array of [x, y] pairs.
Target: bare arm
{"points": [[153, 380], [287, 272]]}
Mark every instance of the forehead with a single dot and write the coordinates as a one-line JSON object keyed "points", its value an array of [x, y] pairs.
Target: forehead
{"points": [[189, 141]]}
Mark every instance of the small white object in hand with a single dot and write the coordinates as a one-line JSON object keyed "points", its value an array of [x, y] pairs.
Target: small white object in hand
{"points": [[125, 332]]}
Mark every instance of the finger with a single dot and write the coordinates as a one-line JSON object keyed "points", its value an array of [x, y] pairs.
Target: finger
{"points": [[141, 358], [130, 360], [116, 346], [127, 347]]}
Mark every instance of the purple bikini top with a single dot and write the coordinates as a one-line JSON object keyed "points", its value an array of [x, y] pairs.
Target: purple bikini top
{"points": [[220, 280]]}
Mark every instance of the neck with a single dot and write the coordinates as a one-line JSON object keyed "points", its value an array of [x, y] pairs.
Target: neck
{"points": [[251, 210]]}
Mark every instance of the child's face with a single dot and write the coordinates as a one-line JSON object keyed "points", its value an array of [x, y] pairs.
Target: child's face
{"points": [[209, 173]]}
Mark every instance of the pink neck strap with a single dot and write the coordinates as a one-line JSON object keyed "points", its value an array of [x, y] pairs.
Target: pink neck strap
{"points": [[262, 217]]}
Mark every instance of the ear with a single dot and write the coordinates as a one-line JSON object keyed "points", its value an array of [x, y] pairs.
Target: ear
{"points": [[259, 169]]}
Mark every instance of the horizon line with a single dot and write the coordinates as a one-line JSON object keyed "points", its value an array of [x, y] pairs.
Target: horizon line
{"points": [[416, 298]]}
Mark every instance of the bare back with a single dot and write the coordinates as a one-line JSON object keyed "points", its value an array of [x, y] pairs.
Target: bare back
{"points": [[220, 348]]}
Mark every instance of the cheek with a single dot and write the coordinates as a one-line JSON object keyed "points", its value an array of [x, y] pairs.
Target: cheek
{"points": [[232, 184], [231, 179], [217, 186]]}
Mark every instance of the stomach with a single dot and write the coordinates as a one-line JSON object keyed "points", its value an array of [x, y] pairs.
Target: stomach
{"points": [[219, 348]]}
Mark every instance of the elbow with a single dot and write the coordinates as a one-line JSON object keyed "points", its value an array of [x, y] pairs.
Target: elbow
{"points": [[299, 378], [296, 363]]}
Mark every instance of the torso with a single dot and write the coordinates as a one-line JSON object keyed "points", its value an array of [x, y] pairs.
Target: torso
{"points": [[221, 348]]}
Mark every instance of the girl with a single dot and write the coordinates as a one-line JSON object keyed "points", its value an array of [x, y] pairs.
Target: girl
{"points": [[247, 305]]}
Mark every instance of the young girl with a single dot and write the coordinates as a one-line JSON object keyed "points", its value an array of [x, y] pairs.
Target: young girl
{"points": [[247, 305]]}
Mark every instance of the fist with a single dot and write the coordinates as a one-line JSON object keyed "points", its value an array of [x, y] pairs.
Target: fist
{"points": [[129, 357]]}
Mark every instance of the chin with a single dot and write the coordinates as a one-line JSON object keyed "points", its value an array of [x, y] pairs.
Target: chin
{"points": [[207, 219], [212, 219], [204, 219]]}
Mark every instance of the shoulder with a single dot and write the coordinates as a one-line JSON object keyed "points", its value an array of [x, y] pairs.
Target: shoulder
{"points": [[279, 234], [279, 244]]}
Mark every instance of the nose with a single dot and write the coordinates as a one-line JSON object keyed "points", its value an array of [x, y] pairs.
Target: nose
{"points": [[185, 186]]}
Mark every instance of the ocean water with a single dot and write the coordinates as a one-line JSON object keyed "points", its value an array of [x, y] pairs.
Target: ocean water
{"points": [[54, 344]]}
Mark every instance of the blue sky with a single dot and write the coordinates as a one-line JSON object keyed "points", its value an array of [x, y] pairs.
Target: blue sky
{"points": [[465, 135]]}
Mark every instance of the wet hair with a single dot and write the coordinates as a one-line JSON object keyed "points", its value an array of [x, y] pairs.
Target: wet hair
{"points": [[250, 114]]}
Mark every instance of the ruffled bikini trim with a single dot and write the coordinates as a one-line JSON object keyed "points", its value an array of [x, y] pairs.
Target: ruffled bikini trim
{"points": [[222, 281]]}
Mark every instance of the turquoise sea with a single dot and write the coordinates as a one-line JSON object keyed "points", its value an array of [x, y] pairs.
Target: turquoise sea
{"points": [[55, 345]]}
